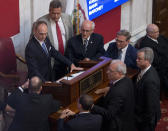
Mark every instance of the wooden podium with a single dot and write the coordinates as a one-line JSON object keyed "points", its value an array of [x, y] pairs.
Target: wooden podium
{"points": [[68, 91]]}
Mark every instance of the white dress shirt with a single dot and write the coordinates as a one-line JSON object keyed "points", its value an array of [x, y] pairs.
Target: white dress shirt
{"points": [[124, 50], [54, 32], [153, 39]]}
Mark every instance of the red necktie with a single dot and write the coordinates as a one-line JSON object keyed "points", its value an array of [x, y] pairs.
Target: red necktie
{"points": [[60, 41]]}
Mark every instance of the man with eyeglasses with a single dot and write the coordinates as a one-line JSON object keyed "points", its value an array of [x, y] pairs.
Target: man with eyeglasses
{"points": [[60, 30], [121, 49], [117, 105], [159, 44], [38, 54], [85, 46]]}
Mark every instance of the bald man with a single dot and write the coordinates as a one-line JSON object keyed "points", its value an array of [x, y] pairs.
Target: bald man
{"points": [[32, 109], [85, 46], [38, 54], [159, 44], [117, 105]]}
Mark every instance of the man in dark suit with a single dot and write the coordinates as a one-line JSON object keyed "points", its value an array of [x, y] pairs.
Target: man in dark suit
{"points": [[56, 20], [117, 105], [32, 109], [86, 46], [38, 54], [159, 44], [84, 121], [147, 92], [121, 49]]}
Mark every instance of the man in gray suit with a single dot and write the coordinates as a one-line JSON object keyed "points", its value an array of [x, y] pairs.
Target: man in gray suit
{"points": [[60, 29]]}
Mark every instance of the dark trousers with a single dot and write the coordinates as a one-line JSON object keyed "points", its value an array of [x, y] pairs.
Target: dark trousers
{"points": [[59, 70], [145, 127]]}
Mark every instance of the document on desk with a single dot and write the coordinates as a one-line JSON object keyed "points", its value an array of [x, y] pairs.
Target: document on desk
{"points": [[71, 76]]}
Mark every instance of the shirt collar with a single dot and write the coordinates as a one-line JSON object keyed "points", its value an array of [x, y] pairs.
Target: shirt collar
{"points": [[86, 39], [152, 39], [52, 21], [84, 112], [144, 71], [114, 82], [41, 42], [124, 49]]}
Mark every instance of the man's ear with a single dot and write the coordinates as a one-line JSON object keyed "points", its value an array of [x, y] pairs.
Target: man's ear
{"points": [[128, 41]]}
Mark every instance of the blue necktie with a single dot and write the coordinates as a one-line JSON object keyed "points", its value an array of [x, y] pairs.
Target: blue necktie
{"points": [[45, 48]]}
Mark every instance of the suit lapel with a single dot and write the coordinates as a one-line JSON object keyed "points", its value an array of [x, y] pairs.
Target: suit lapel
{"points": [[81, 46], [65, 27], [37, 44], [127, 55], [49, 29], [115, 52], [90, 44]]}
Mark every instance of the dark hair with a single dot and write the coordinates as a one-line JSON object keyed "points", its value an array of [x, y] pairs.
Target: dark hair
{"points": [[55, 4], [124, 33], [35, 84], [86, 101], [39, 23]]}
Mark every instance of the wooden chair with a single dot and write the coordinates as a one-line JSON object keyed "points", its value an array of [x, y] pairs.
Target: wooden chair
{"points": [[10, 77]]}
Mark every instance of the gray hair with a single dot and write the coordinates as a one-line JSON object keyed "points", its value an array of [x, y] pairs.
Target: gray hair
{"points": [[55, 4], [121, 66], [148, 54], [125, 33]]}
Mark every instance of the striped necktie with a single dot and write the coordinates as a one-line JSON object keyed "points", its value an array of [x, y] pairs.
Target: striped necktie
{"points": [[45, 48], [85, 43]]}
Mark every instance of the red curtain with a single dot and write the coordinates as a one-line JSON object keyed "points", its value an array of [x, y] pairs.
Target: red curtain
{"points": [[108, 24], [9, 14]]}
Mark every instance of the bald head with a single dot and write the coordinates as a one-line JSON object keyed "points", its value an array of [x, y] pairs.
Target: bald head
{"points": [[35, 84], [152, 31], [87, 28]]}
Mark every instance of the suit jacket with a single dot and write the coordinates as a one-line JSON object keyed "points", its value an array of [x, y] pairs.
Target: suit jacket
{"points": [[117, 107], [66, 19], [81, 122], [38, 62], [59, 69], [130, 57], [32, 111], [76, 50], [160, 52], [148, 98]]}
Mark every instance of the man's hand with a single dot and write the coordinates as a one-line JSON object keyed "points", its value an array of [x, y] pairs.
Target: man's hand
{"points": [[66, 113], [102, 91], [86, 59], [25, 85], [73, 67]]}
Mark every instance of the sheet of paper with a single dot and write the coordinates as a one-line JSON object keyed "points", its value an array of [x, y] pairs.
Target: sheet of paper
{"points": [[70, 77]]}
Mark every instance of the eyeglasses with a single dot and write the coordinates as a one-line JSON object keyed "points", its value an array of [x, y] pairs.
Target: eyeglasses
{"points": [[87, 31], [119, 41], [111, 71]]}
